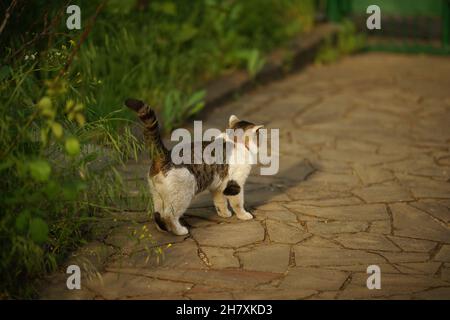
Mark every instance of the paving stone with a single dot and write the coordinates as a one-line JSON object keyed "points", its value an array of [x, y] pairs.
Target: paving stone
{"points": [[367, 241], [372, 175], [285, 233], [183, 255], [281, 214], [327, 178], [434, 294], [330, 228], [443, 254], [413, 245], [351, 144], [128, 237], [117, 286], [218, 278], [429, 268], [347, 213], [381, 226], [383, 193], [399, 257], [391, 284], [314, 279], [423, 188], [327, 295], [230, 235], [436, 209], [312, 256], [413, 223], [221, 257], [384, 267], [316, 241], [333, 202], [270, 258]]}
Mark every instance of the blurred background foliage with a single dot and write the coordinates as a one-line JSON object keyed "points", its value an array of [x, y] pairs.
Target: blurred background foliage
{"points": [[62, 126]]}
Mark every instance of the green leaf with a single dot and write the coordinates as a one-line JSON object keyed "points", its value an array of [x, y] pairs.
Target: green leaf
{"points": [[45, 103], [57, 129], [22, 221], [196, 97], [187, 32], [40, 170], [72, 146], [4, 72], [38, 230]]}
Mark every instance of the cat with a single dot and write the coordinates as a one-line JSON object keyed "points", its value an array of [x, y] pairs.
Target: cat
{"points": [[173, 186]]}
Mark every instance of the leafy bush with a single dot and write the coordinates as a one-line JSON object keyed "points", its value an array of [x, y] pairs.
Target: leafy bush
{"points": [[348, 41], [62, 125]]}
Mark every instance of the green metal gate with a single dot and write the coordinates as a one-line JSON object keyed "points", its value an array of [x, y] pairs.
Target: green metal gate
{"points": [[416, 26]]}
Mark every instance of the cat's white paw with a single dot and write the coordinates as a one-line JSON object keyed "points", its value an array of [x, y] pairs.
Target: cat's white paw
{"points": [[227, 214], [245, 216], [181, 231]]}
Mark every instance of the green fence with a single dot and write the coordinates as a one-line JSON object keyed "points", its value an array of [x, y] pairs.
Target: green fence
{"points": [[420, 26]]}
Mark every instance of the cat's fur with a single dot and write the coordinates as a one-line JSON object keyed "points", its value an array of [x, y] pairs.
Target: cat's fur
{"points": [[174, 186]]}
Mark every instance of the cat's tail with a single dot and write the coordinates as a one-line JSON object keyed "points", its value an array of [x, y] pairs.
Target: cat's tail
{"points": [[151, 128]]}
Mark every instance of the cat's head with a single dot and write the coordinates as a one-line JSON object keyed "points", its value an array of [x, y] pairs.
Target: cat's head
{"points": [[249, 130]]}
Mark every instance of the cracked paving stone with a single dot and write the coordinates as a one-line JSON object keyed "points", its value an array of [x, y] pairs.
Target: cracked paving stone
{"points": [[221, 257], [311, 256], [383, 193], [372, 175], [285, 233], [391, 284], [423, 188], [434, 294], [127, 237], [333, 202], [118, 286], [413, 245], [443, 254], [419, 267], [381, 226], [436, 209], [281, 214], [182, 255], [314, 279], [230, 234], [367, 212], [330, 228], [366, 241], [399, 257], [413, 223], [270, 258], [218, 278]]}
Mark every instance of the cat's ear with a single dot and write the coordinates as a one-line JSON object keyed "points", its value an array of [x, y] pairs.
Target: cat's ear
{"points": [[233, 120], [256, 128]]}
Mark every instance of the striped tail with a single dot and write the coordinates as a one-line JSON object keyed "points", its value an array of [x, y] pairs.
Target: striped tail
{"points": [[152, 136]]}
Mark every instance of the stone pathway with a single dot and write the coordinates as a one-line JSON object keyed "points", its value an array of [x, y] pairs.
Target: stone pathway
{"points": [[364, 179]]}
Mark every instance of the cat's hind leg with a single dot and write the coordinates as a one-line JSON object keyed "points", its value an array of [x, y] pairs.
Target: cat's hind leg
{"points": [[179, 189]]}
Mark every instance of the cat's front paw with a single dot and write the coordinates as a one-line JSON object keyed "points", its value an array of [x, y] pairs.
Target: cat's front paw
{"points": [[227, 214], [245, 216], [181, 231]]}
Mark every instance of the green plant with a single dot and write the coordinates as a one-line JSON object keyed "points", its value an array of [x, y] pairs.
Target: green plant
{"points": [[348, 41]]}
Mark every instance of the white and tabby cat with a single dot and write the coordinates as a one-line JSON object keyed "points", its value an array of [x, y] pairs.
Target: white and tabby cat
{"points": [[173, 186]]}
